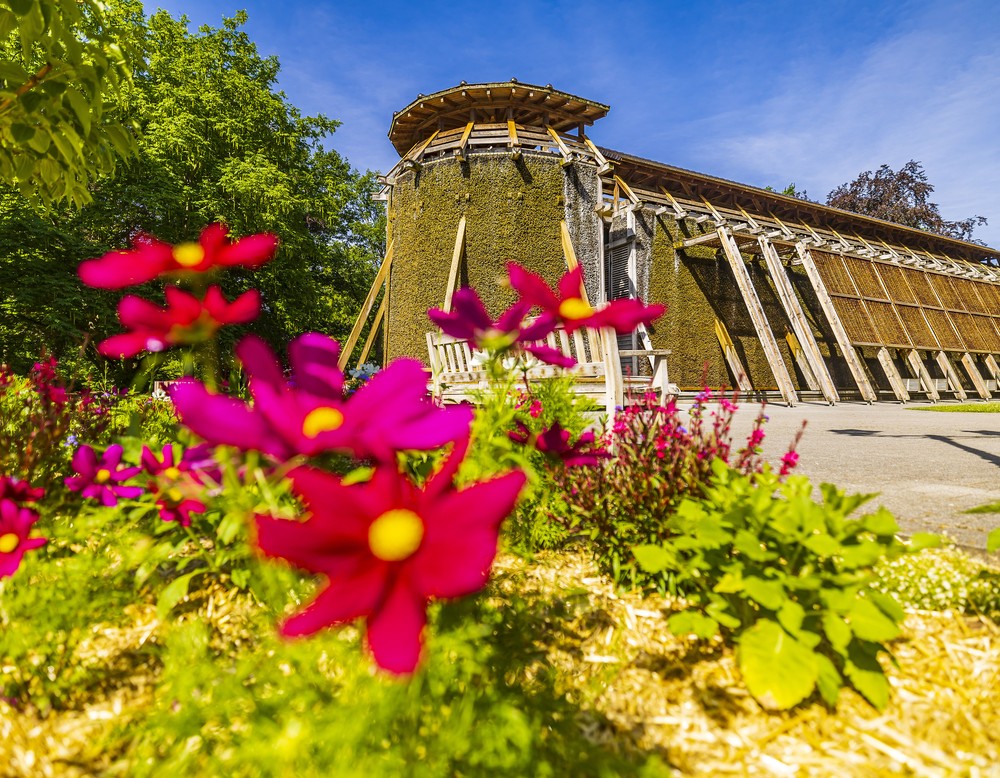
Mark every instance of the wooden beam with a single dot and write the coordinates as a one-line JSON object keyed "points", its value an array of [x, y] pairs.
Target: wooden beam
{"points": [[732, 358], [679, 211], [563, 148], [951, 374], [377, 322], [708, 237], [464, 142], [993, 367], [975, 376], [570, 255], [628, 191], [800, 359], [601, 160], [895, 379], [380, 278], [456, 261], [836, 325], [800, 325], [922, 373], [764, 332]]}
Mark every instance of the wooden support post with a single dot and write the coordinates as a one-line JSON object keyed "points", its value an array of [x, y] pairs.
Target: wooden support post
{"points": [[969, 363], [515, 144], [628, 191], [993, 367], [920, 371], [759, 318], [380, 279], [949, 372], [732, 358], [800, 359], [377, 322], [800, 325], [460, 151], [839, 333], [895, 379], [601, 160], [567, 155], [456, 261]]}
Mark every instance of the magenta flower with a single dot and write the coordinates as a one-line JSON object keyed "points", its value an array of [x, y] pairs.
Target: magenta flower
{"points": [[102, 478], [309, 414], [469, 320], [387, 548], [185, 320], [554, 442], [788, 462], [150, 258], [178, 484], [15, 525], [18, 491], [567, 306]]}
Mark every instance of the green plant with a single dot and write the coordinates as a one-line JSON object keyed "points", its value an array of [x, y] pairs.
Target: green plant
{"points": [[789, 579]]}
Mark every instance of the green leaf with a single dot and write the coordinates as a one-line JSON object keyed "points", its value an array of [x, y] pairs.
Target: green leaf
{"points": [[779, 671], [22, 132], [868, 622], [887, 605], [838, 632], [829, 681], [80, 107], [921, 540], [770, 594], [822, 545], [173, 593], [790, 616], [867, 676], [654, 559], [881, 522], [864, 554], [20, 7], [693, 622], [751, 547], [993, 540], [240, 577]]}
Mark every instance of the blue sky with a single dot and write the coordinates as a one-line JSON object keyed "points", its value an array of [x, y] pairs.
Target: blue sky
{"points": [[764, 93]]}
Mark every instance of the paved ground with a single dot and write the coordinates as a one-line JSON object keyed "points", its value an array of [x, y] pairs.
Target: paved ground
{"points": [[927, 467]]}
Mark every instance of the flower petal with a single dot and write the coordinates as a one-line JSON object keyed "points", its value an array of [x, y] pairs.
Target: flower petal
{"points": [[118, 269], [219, 419], [532, 287], [251, 251], [314, 363], [395, 630], [549, 355], [260, 362], [571, 284], [343, 599]]}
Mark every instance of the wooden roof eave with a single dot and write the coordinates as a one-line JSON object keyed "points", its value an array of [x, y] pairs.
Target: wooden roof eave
{"points": [[721, 190]]}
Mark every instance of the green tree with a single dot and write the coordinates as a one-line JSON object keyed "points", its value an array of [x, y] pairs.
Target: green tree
{"points": [[216, 141], [900, 196], [60, 63]]}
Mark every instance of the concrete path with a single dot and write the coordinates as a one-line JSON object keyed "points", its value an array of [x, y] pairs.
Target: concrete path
{"points": [[927, 467]]}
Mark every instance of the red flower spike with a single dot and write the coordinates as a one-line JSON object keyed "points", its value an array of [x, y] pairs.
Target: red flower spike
{"points": [[570, 309], [309, 415], [150, 258], [185, 320], [387, 548], [15, 526]]}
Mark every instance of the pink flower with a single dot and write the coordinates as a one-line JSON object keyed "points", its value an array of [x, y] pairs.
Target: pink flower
{"points": [[568, 306], [788, 462], [178, 484], [101, 478], [387, 548], [185, 320], [150, 258], [309, 415], [554, 441], [469, 320], [18, 491], [15, 525]]}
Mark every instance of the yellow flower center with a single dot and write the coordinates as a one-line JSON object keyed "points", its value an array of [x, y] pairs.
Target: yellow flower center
{"points": [[574, 308], [175, 496], [188, 254], [8, 542], [321, 420], [103, 476], [172, 473], [395, 535]]}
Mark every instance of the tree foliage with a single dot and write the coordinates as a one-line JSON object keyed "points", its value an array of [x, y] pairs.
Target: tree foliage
{"points": [[900, 196], [60, 62], [216, 140]]}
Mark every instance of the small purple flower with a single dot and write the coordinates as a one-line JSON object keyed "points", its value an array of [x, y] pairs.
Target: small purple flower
{"points": [[101, 478]]}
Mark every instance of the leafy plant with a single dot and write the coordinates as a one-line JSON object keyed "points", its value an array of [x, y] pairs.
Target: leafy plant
{"points": [[789, 579]]}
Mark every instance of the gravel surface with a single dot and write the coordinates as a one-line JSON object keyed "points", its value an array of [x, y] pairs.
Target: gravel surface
{"points": [[926, 467]]}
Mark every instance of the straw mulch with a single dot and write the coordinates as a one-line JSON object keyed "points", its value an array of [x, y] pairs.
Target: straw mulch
{"points": [[684, 699]]}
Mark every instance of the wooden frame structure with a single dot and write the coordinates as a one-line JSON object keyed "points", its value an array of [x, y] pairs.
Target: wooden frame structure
{"points": [[821, 303]]}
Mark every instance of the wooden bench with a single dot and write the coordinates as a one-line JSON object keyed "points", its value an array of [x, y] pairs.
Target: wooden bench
{"points": [[456, 375]]}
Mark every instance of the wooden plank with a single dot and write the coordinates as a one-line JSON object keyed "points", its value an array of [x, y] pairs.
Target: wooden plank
{"points": [[800, 325], [992, 366], [376, 324], [597, 154], [800, 359], [732, 358], [563, 148], [975, 376], [627, 190], [759, 318], [922, 373], [464, 142], [366, 308], [614, 396], [895, 379], [456, 262], [951, 375], [836, 325]]}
